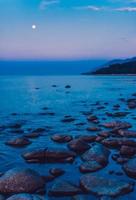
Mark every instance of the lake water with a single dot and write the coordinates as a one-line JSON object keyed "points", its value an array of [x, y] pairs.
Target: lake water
{"points": [[23, 98]]}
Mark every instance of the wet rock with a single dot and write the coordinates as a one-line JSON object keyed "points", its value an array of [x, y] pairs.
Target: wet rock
{"points": [[49, 155], [39, 130], [78, 145], [127, 151], [99, 139], [126, 133], [57, 172], [131, 103], [68, 119], [21, 181], [67, 86], [130, 168], [33, 135], [104, 186], [118, 125], [118, 142], [61, 138], [54, 85], [25, 197], [88, 138], [97, 153], [18, 131], [117, 114], [104, 134], [15, 126], [63, 188], [93, 129], [90, 166], [111, 143], [92, 118], [18, 142]]}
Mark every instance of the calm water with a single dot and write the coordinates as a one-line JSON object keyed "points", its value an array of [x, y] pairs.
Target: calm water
{"points": [[19, 95]]}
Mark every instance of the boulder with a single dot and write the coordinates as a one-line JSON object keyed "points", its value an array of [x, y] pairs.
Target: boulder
{"points": [[25, 197], [61, 138], [78, 145], [21, 181], [18, 142], [130, 168], [104, 186], [90, 166], [97, 153], [52, 155], [63, 188], [56, 172]]}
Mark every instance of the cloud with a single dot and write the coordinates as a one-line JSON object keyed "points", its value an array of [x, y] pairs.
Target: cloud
{"points": [[97, 8], [126, 9], [46, 3], [90, 7]]}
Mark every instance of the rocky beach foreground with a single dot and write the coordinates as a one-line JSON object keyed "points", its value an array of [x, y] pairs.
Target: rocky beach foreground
{"points": [[92, 156]]}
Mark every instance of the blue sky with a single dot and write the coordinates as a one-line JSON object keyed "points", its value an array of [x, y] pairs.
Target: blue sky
{"points": [[67, 29]]}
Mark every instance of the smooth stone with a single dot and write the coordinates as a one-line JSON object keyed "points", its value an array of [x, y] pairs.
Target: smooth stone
{"points": [[61, 138], [21, 181], [90, 166], [127, 133], [104, 186], [117, 124], [130, 168], [68, 120], [93, 128], [92, 118], [97, 153], [56, 172], [67, 86], [25, 197], [78, 145], [127, 151], [18, 142], [53, 155], [63, 188], [88, 138], [33, 135]]}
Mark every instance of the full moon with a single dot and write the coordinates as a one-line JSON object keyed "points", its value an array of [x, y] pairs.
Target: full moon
{"points": [[33, 26]]}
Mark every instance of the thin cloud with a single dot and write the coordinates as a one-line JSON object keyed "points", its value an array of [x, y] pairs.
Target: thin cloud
{"points": [[90, 7], [97, 9], [126, 9], [46, 3]]}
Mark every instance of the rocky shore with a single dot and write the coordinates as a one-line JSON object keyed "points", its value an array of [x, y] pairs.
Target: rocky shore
{"points": [[99, 163]]}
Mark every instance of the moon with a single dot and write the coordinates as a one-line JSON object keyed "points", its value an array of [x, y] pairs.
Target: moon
{"points": [[33, 26]]}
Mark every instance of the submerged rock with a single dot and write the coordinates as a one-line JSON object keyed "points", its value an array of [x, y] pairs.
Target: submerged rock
{"points": [[127, 151], [61, 138], [118, 125], [130, 168], [104, 186], [57, 172], [97, 153], [78, 145], [90, 166], [18, 142], [64, 188], [68, 119], [21, 181], [49, 155], [25, 197]]}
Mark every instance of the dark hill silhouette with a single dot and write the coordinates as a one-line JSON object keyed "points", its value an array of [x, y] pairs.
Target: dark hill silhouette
{"points": [[127, 66]]}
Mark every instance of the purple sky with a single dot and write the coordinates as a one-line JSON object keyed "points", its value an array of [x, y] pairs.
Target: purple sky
{"points": [[67, 29]]}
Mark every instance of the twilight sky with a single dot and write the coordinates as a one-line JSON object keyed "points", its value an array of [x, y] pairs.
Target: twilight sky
{"points": [[67, 29]]}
